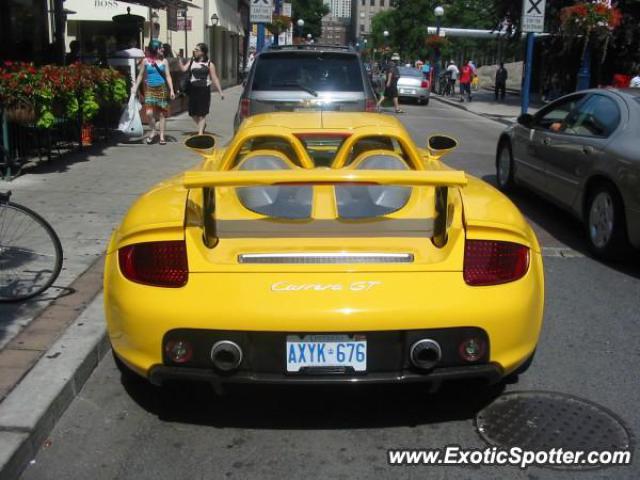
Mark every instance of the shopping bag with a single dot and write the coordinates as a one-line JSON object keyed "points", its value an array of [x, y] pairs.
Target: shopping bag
{"points": [[130, 123]]}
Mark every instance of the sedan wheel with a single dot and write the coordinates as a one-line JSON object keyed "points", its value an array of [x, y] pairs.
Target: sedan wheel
{"points": [[504, 167], [605, 223]]}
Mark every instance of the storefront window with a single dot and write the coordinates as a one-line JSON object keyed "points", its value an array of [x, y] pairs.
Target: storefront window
{"points": [[24, 32]]}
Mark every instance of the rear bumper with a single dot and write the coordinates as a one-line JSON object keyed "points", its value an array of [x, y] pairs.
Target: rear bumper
{"points": [[406, 92], [489, 373]]}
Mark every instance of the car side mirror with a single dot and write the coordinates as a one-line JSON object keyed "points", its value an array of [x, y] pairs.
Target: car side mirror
{"points": [[440, 145], [526, 120], [202, 144]]}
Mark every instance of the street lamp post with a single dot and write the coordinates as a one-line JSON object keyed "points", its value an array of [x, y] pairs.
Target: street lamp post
{"points": [[438, 12], [300, 23], [214, 23], [386, 40], [184, 25], [154, 24]]}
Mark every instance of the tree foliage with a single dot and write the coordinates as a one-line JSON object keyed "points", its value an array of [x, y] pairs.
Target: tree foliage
{"points": [[407, 24], [311, 11]]}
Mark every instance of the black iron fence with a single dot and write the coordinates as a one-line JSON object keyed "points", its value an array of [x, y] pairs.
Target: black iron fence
{"points": [[24, 144]]}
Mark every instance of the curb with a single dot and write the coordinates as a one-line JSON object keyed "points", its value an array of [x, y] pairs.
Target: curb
{"points": [[483, 115], [31, 410]]}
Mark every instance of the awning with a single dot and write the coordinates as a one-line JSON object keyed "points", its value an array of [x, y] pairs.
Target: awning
{"points": [[165, 3]]}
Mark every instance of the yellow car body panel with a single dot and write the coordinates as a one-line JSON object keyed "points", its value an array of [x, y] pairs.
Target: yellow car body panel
{"points": [[224, 294]]}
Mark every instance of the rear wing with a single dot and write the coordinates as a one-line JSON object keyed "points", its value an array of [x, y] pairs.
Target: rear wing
{"points": [[441, 180]]}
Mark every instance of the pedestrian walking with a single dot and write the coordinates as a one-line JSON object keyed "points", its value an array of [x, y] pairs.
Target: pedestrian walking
{"points": [[635, 81], [475, 80], [426, 70], [501, 82], [466, 75], [391, 86], [201, 75], [158, 89], [453, 72]]}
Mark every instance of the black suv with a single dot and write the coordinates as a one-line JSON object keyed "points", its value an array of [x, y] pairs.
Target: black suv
{"points": [[296, 78]]}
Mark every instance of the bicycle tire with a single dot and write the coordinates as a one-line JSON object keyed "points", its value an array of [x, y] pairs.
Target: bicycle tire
{"points": [[30, 253]]}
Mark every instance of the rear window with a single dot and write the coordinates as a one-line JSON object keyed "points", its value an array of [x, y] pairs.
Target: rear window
{"points": [[312, 72], [409, 72], [322, 148]]}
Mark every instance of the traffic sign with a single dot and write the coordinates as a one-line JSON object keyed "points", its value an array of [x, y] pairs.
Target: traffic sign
{"points": [[286, 9], [261, 11], [533, 15]]}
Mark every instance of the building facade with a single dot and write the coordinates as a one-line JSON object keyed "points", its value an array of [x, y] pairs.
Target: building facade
{"points": [[339, 8], [362, 12], [334, 30], [42, 31]]}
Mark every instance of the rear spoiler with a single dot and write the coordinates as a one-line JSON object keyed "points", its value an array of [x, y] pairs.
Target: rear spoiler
{"points": [[441, 180]]}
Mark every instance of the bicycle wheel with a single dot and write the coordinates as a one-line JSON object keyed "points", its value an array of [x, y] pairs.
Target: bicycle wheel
{"points": [[30, 253]]}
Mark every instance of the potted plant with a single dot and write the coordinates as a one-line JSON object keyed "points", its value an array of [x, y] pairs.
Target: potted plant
{"points": [[594, 22]]}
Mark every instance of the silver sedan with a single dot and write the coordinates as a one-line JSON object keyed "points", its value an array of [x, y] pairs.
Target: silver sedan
{"points": [[412, 84], [582, 152]]}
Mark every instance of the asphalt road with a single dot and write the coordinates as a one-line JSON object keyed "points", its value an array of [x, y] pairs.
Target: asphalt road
{"points": [[589, 348]]}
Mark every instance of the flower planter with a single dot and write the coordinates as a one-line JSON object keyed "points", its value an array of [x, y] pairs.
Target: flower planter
{"points": [[22, 113], [87, 134]]}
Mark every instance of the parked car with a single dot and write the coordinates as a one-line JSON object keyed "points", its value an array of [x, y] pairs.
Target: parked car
{"points": [[581, 152], [306, 78], [412, 84], [321, 248]]}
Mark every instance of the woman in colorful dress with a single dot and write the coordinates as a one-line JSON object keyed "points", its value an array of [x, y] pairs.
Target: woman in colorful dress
{"points": [[158, 89], [202, 73]]}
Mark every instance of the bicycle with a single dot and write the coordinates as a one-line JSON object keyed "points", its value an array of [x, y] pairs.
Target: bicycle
{"points": [[30, 252]]}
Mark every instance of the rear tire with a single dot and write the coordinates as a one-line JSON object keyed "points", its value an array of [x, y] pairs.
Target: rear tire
{"points": [[605, 223], [504, 167]]}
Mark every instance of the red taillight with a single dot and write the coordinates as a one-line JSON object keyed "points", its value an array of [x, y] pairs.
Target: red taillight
{"points": [[488, 262], [161, 264], [245, 107], [425, 84], [370, 105]]}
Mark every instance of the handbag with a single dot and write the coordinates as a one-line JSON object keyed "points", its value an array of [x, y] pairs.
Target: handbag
{"points": [[185, 81], [130, 123]]}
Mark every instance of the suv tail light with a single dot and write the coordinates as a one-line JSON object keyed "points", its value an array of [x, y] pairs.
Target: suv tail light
{"points": [[425, 84], [160, 264], [245, 107], [370, 105], [489, 262]]}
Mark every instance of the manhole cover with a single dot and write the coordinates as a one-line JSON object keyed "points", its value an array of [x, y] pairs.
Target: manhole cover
{"points": [[541, 421]]}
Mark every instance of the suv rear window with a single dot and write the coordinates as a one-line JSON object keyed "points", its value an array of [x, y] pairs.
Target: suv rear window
{"points": [[313, 72]]}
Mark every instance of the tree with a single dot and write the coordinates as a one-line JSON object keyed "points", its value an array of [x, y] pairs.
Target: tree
{"points": [[311, 11], [407, 24], [561, 52]]}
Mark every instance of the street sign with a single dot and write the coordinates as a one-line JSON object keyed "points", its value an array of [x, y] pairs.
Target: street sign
{"points": [[533, 15], [261, 11], [286, 9]]}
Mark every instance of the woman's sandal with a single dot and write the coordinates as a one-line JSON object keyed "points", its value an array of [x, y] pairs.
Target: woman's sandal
{"points": [[149, 139], [399, 111], [162, 142]]}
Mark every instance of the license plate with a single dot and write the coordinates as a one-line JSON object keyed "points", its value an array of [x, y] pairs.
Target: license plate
{"points": [[326, 351]]}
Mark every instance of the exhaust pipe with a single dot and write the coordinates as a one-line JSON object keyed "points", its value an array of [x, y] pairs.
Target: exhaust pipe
{"points": [[425, 354], [226, 355]]}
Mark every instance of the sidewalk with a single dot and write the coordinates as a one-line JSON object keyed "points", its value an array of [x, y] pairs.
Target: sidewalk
{"points": [[483, 103], [49, 346]]}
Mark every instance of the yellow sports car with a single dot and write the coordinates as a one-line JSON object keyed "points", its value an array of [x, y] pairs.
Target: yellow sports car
{"points": [[323, 248]]}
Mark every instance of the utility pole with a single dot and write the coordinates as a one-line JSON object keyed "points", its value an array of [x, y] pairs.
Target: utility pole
{"points": [[276, 37]]}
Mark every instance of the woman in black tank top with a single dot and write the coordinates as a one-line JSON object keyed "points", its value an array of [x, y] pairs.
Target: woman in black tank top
{"points": [[201, 73]]}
